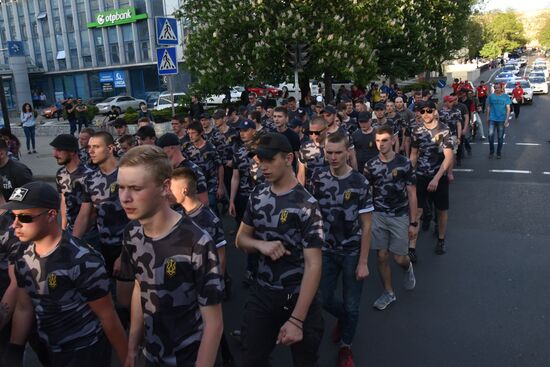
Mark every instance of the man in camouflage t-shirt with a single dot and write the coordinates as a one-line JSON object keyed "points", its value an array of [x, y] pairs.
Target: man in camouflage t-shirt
{"points": [[312, 154], [101, 197], [63, 282], [283, 223], [431, 156], [346, 204], [393, 181], [178, 285], [8, 283]]}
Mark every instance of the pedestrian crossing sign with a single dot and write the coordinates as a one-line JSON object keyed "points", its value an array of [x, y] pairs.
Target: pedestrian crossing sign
{"points": [[167, 31], [167, 63]]}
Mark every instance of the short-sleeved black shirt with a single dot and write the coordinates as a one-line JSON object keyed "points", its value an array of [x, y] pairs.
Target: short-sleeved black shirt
{"points": [[178, 273], [365, 147], [294, 218], [60, 286]]}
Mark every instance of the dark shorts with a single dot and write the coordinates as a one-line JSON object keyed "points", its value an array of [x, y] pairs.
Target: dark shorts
{"points": [[440, 197], [98, 354]]}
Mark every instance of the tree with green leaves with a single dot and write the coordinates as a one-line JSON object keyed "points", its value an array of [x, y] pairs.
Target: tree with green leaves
{"points": [[544, 34], [503, 33], [233, 42]]}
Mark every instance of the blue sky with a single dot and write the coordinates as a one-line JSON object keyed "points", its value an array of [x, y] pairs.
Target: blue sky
{"points": [[517, 5]]}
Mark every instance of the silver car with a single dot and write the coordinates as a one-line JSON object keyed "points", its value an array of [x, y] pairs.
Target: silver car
{"points": [[122, 103]]}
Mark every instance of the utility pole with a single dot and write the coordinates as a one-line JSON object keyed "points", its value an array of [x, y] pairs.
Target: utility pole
{"points": [[298, 59]]}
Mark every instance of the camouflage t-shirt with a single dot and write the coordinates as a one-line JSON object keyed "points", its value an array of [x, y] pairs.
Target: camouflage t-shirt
{"points": [[201, 180], [9, 244], [207, 220], [178, 273], [60, 285], [231, 142], [312, 157], [450, 118], [102, 191], [430, 144], [342, 201], [351, 126], [242, 162], [365, 147], [389, 181], [294, 218], [216, 138], [71, 186], [208, 160]]}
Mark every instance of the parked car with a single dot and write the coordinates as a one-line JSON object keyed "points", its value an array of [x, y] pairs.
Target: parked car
{"points": [[537, 74], [165, 101], [539, 84], [122, 103], [222, 98], [511, 68], [151, 98], [95, 100], [541, 68], [286, 86], [267, 91], [504, 77], [525, 85], [49, 112]]}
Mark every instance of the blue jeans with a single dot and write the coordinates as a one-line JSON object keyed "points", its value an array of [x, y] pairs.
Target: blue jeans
{"points": [[346, 310], [29, 135], [499, 126]]}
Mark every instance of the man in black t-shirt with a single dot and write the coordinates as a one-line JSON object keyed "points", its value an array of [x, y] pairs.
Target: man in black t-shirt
{"points": [[364, 141], [63, 282], [280, 117], [174, 265], [12, 173], [70, 109], [282, 223]]}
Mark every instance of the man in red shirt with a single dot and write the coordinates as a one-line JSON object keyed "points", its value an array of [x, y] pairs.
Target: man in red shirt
{"points": [[482, 92], [456, 85], [517, 99]]}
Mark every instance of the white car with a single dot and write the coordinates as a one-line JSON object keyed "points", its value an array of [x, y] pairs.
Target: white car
{"points": [[525, 85], [538, 84], [541, 68], [222, 98], [539, 74], [165, 100], [313, 87], [510, 68], [122, 103]]}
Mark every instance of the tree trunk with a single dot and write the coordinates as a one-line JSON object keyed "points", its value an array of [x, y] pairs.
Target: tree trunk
{"points": [[327, 79]]}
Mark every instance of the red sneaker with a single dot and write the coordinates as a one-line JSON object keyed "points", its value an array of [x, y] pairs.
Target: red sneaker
{"points": [[345, 357], [336, 334]]}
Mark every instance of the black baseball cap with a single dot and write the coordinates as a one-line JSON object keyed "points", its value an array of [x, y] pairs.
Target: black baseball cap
{"points": [[246, 124], [168, 140], [120, 122], [364, 117], [424, 104], [37, 194], [295, 122], [65, 142], [146, 132], [272, 143], [379, 106], [205, 115], [329, 109], [219, 114]]}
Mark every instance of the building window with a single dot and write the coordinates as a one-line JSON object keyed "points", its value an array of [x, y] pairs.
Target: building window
{"points": [[82, 21], [69, 23], [129, 51], [100, 53], [123, 3], [109, 4], [42, 5], [34, 29], [145, 51], [23, 28], [62, 64], [87, 61], [115, 59], [57, 25]]}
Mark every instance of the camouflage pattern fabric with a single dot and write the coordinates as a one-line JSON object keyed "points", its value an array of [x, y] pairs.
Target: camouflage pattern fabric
{"points": [[242, 162], [312, 157], [342, 201], [350, 126], [208, 160], [71, 186], [430, 144], [201, 180], [177, 273], [102, 191], [294, 219], [389, 182], [450, 117], [9, 244], [207, 220], [60, 286], [231, 142]]}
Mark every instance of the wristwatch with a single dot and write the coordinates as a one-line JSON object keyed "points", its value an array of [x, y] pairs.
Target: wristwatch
{"points": [[414, 224]]}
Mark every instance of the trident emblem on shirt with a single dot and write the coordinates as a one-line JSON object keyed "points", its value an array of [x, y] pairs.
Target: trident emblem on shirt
{"points": [[284, 216], [52, 280], [170, 268], [347, 195]]}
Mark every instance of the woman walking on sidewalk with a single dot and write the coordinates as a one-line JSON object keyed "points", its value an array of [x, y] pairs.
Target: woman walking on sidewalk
{"points": [[28, 123]]}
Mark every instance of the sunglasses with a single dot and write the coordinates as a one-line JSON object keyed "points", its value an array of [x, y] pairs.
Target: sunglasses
{"points": [[27, 218], [427, 110], [316, 132]]}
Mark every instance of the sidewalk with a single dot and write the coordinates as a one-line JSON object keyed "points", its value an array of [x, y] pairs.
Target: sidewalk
{"points": [[42, 164]]}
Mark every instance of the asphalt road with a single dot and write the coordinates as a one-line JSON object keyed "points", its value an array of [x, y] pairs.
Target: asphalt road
{"points": [[484, 303]]}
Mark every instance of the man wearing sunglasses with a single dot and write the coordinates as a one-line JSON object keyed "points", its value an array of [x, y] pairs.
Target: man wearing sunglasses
{"points": [[498, 116], [432, 155], [311, 155], [62, 283]]}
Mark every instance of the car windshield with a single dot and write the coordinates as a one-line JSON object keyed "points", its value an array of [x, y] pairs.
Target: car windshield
{"points": [[110, 99], [523, 84], [165, 98], [537, 80]]}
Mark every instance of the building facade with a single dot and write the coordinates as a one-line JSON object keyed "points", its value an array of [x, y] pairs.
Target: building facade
{"points": [[85, 48]]}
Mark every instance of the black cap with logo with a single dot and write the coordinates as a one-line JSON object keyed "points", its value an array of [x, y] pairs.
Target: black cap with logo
{"points": [[37, 194]]}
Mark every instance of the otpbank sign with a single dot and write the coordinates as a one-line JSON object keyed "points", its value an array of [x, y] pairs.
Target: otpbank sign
{"points": [[116, 17]]}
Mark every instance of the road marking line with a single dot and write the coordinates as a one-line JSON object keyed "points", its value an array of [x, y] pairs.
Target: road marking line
{"points": [[529, 144], [509, 171], [463, 170], [546, 173]]}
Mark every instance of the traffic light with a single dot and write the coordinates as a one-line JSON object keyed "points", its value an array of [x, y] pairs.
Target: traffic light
{"points": [[298, 56]]}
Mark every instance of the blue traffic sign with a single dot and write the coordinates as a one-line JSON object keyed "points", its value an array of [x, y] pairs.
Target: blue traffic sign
{"points": [[167, 63], [167, 31], [441, 83]]}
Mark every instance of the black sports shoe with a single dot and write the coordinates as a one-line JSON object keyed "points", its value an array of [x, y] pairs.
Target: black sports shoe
{"points": [[412, 255], [440, 247]]}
